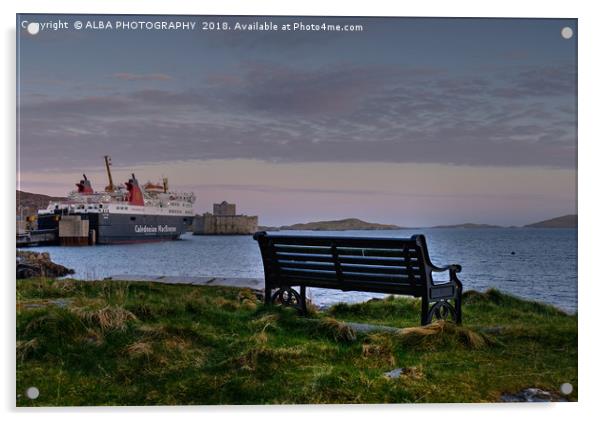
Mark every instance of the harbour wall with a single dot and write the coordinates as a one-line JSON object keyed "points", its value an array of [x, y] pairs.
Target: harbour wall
{"points": [[75, 231], [209, 224]]}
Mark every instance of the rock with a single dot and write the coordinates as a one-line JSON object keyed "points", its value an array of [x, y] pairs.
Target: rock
{"points": [[32, 264], [394, 374], [407, 372], [531, 394]]}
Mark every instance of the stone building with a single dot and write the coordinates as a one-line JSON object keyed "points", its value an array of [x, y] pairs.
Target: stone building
{"points": [[224, 209], [224, 221]]}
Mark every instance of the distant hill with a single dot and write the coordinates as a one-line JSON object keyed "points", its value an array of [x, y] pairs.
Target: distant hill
{"points": [[29, 203], [338, 225], [566, 221], [265, 228], [468, 225]]}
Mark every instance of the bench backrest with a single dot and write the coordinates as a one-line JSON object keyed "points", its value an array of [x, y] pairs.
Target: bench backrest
{"points": [[388, 265]]}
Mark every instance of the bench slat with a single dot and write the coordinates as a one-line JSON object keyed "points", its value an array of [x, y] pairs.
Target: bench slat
{"points": [[384, 270], [384, 278], [307, 265], [302, 249], [343, 253], [315, 274], [367, 252], [366, 261], [379, 261], [331, 275], [316, 281], [351, 242], [304, 257], [347, 251]]}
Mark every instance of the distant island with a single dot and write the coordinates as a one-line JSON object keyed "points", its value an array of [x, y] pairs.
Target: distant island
{"points": [[338, 225], [468, 225], [566, 221], [30, 203]]}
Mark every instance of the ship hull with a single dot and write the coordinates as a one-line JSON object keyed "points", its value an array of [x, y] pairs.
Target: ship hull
{"points": [[112, 228], [126, 228]]}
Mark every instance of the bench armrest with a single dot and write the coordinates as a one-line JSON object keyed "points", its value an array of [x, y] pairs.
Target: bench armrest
{"points": [[452, 268]]}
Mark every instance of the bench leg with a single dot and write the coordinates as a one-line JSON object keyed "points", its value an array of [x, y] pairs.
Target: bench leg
{"points": [[425, 311], [303, 302], [458, 305], [441, 309], [287, 296]]}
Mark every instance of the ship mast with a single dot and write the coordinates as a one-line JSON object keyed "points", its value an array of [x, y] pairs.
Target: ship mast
{"points": [[110, 187]]}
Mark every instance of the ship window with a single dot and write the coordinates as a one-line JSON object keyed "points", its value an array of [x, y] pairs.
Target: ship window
{"points": [[132, 218]]}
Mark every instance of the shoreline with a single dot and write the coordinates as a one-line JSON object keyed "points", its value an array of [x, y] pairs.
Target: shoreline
{"points": [[493, 266]]}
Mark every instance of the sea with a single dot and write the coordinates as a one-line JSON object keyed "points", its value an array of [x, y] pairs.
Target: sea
{"points": [[533, 263]]}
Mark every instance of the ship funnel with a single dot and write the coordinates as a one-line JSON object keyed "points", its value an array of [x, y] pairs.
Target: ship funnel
{"points": [[84, 186], [135, 196]]}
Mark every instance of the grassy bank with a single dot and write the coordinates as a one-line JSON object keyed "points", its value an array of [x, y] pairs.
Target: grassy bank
{"points": [[117, 343]]}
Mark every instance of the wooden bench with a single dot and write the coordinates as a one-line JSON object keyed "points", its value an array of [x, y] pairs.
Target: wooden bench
{"points": [[398, 266]]}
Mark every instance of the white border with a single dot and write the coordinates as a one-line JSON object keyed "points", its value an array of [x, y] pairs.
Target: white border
{"points": [[589, 33]]}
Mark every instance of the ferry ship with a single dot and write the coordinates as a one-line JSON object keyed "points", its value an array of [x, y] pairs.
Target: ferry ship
{"points": [[127, 213]]}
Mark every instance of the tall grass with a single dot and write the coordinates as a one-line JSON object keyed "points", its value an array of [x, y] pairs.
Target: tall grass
{"points": [[112, 343]]}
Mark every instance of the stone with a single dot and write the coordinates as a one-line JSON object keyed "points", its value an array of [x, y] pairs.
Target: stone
{"points": [[395, 373], [407, 372], [531, 394]]}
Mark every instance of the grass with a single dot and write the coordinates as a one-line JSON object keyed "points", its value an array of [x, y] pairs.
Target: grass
{"points": [[119, 343]]}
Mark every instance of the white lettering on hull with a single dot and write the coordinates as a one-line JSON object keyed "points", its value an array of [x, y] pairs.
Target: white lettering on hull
{"points": [[154, 229]]}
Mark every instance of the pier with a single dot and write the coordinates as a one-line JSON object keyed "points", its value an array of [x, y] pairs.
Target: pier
{"points": [[71, 231], [36, 238]]}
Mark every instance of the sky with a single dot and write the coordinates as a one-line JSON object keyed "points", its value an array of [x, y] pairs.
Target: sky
{"points": [[411, 121]]}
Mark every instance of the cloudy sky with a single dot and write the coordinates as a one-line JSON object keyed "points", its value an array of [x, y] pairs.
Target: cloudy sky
{"points": [[409, 121]]}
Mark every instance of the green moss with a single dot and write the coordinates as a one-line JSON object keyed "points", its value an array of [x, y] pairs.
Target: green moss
{"points": [[119, 343]]}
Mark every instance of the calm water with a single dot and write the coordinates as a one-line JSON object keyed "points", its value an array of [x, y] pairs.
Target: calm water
{"points": [[543, 268]]}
